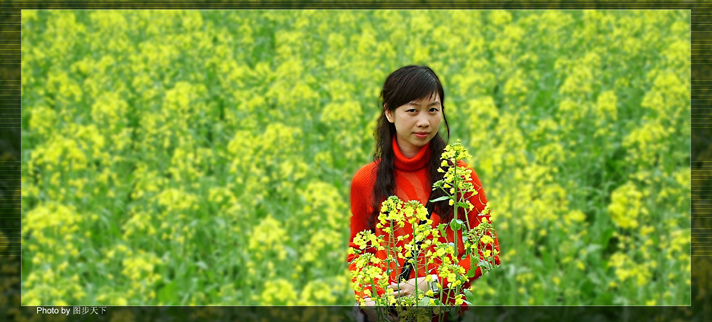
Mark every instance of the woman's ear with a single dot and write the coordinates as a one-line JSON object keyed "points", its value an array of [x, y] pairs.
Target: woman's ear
{"points": [[389, 116]]}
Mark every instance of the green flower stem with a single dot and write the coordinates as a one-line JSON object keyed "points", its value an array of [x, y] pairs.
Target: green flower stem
{"points": [[456, 180], [415, 265], [378, 301], [388, 250], [391, 239], [373, 288], [454, 215], [467, 217], [449, 292]]}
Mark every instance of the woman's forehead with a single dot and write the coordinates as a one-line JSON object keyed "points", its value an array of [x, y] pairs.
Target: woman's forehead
{"points": [[432, 97]]}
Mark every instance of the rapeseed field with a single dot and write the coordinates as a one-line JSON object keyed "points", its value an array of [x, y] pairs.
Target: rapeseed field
{"points": [[205, 157]]}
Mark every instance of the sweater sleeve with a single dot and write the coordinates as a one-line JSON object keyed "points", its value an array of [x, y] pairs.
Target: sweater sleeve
{"points": [[479, 201], [361, 186]]}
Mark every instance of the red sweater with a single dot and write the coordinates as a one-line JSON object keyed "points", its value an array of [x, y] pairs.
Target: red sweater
{"points": [[412, 183]]}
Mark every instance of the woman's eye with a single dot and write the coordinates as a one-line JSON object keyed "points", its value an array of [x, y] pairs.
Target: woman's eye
{"points": [[434, 109], [410, 110]]}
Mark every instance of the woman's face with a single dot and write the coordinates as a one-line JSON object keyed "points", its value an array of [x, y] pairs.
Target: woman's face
{"points": [[416, 122]]}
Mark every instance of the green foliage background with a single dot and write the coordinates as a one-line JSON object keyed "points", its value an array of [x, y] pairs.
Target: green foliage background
{"points": [[205, 157]]}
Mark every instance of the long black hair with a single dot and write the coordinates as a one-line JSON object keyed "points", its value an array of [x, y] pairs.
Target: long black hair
{"points": [[402, 86]]}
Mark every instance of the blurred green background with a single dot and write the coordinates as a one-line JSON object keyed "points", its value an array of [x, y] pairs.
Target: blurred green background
{"points": [[205, 157]]}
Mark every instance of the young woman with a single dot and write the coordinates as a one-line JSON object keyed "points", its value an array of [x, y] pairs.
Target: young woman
{"points": [[408, 150]]}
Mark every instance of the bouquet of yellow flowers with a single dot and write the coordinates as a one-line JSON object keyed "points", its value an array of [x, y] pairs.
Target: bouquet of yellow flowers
{"points": [[426, 250]]}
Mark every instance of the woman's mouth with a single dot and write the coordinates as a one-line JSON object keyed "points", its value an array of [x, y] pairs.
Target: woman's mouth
{"points": [[421, 135]]}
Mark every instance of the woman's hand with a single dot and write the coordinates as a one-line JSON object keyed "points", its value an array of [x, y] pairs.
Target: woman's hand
{"points": [[369, 307], [408, 288]]}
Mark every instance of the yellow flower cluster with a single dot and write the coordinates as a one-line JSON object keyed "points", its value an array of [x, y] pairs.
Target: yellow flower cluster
{"points": [[626, 206], [268, 237]]}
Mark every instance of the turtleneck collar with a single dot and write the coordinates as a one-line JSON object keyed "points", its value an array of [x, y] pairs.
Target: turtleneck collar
{"points": [[410, 164]]}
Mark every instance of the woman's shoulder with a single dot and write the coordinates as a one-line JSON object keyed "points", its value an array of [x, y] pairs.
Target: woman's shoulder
{"points": [[365, 176]]}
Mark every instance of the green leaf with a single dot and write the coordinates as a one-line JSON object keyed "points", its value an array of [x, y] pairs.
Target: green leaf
{"points": [[456, 224], [473, 268], [587, 286], [441, 228], [592, 248], [167, 294], [471, 273], [605, 298], [485, 264], [440, 199], [469, 296], [453, 314], [425, 301], [606, 237]]}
